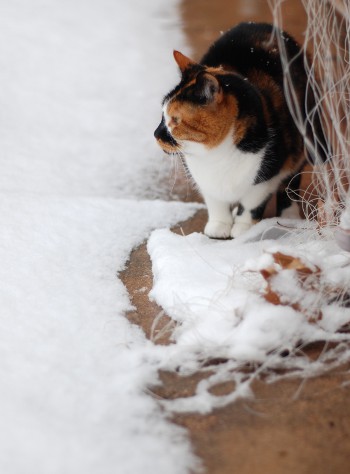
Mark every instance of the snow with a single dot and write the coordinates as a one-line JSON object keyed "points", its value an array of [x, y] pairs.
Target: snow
{"points": [[81, 184], [81, 83], [215, 292]]}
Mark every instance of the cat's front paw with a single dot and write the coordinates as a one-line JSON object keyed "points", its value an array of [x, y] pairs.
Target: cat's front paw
{"points": [[218, 230], [239, 228]]}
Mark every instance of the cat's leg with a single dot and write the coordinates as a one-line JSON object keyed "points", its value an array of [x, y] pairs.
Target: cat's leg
{"points": [[246, 218], [220, 220], [286, 197], [252, 206]]}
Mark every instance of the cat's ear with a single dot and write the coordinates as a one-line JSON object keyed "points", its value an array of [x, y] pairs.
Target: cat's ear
{"points": [[183, 61], [208, 88]]}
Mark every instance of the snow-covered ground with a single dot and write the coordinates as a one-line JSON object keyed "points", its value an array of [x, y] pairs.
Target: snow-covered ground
{"points": [[218, 294], [81, 82], [82, 182]]}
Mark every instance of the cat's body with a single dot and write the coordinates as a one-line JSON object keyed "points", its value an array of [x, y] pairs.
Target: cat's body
{"points": [[230, 121]]}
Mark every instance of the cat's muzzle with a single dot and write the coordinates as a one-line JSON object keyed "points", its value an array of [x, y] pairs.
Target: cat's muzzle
{"points": [[164, 138]]}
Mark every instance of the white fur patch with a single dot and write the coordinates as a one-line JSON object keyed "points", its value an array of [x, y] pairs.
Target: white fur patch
{"points": [[239, 228], [291, 212], [225, 175], [167, 118], [218, 230], [224, 172]]}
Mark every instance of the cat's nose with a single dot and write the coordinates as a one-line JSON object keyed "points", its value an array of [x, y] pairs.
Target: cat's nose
{"points": [[161, 132]]}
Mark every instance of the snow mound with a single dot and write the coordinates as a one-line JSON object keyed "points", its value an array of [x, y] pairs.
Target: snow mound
{"points": [[220, 295]]}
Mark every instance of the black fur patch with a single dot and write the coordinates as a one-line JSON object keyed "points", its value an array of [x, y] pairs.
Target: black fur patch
{"points": [[251, 47]]}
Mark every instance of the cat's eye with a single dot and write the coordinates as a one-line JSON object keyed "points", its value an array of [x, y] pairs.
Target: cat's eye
{"points": [[175, 120]]}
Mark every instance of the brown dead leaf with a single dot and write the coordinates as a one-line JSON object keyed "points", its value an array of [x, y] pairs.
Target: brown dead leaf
{"points": [[303, 272]]}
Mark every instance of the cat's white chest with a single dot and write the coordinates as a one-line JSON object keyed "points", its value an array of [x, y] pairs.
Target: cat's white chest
{"points": [[224, 172]]}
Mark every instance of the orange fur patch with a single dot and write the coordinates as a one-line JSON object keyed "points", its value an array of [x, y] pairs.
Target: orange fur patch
{"points": [[240, 128], [293, 163], [208, 125], [167, 147], [182, 61]]}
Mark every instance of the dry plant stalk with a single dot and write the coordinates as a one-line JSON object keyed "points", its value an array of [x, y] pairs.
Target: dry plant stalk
{"points": [[327, 37]]}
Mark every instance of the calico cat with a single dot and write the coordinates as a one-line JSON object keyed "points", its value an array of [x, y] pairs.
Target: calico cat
{"points": [[229, 119]]}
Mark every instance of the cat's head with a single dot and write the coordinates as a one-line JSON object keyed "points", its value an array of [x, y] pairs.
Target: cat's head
{"points": [[197, 110]]}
